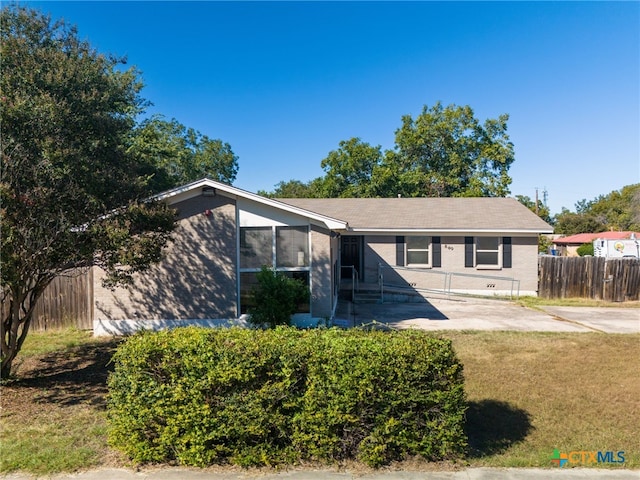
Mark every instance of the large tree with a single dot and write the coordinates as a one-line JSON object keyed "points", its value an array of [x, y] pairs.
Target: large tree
{"points": [[618, 210], [72, 195], [350, 170], [447, 152], [181, 154], [444, 152]]}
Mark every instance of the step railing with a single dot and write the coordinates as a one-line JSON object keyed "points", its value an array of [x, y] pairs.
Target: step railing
{"points": [[446, 280], [355, 285]]}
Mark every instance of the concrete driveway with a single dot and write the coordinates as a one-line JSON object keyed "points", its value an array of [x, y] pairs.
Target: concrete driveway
{"points": [[462, 313], [608, 320]]}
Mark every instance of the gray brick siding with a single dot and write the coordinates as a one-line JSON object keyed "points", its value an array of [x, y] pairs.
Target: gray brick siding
{"points": [[197, 278]]}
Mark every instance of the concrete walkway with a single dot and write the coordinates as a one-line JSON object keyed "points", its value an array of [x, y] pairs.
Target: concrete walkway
{"points": [[468, 474], [463, 313]]}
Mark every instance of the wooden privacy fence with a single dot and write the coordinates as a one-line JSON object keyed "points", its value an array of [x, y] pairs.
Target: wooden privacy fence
{"points": [[599, 278], [66, 302]]}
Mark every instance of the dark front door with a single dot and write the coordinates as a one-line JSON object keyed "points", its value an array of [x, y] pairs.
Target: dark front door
{"points": [[350, 256]]}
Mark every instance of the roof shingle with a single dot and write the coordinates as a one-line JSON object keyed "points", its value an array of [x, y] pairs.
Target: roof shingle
{"points": [[436, 214]]}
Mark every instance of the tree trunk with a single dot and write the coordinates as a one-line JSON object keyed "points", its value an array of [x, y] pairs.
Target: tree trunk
{"points": [[15, 326]]}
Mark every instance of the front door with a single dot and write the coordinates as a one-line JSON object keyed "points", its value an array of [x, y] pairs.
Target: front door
{"points": [[350, 256]]}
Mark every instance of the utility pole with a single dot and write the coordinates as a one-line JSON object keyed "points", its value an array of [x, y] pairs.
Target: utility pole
{"points": [[536, 200]]}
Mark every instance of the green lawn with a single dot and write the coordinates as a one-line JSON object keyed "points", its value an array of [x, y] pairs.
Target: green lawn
{"points": [[528, 393]]}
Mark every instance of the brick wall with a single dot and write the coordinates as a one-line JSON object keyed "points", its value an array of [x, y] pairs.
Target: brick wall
{"points": [[382, 249], [196, 280]]}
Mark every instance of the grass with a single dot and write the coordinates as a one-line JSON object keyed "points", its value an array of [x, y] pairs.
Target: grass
{"points": [[531, 393], [528, 393], [536, 302], [52, 341], [58, 433], [52, 412]]}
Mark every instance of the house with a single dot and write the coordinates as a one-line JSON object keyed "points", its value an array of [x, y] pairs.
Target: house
{"points": [[568, 246], [225, 235]]}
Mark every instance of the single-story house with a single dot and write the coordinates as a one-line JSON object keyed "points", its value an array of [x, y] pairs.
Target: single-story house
{"points": [[225, 235], [568, 246]]}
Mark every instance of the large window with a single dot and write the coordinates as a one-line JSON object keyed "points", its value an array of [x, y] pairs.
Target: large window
{"points": [[292, 247], [248, 281], [256, 247], [284, 248], [417, 251]]}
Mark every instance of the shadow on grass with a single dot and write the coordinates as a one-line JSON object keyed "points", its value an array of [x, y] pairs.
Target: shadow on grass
{"points": [[493, 426], [74, 376]]}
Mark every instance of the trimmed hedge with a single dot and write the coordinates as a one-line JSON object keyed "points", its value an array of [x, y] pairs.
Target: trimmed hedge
{"points": [[265, 397]]}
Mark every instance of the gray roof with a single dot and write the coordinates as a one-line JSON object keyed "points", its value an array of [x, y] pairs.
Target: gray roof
{"points": [[427, 214]]}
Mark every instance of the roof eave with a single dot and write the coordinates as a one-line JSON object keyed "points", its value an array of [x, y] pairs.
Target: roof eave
{"points": [[441, 231], [194, 187]]}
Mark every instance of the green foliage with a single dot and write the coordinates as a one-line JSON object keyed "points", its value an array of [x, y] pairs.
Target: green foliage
{"points": [[618, 210], [180, 154], [544, 244], [276, 298], [71, 195], [570, 223], [350, 170], [445, 151], [266, 397], [291, 189], [585, 249], [540, 209]]}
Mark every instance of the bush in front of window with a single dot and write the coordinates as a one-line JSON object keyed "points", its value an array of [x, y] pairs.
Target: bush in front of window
{"points": [[201, 397], [276, 298]]}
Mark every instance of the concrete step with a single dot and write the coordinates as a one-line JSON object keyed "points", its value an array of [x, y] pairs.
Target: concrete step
{"points": [[367, 297]]}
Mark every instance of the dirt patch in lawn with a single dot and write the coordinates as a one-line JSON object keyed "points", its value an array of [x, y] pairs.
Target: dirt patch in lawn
{"points": [[64, 378]]}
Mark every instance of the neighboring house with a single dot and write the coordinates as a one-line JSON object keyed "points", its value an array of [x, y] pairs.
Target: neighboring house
{"points": [[568, 246], [225, 235]]}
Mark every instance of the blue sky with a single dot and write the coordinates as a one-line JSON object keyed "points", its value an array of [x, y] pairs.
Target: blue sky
{"points": [[283, 83]]}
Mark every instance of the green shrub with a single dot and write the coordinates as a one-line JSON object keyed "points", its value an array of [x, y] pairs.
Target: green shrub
{"points": [[585, 249], [265, 397], [276, 298]]}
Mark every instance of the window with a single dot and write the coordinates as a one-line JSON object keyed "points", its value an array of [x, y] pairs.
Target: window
{"points": [[487, 252], [417, 251], [304, 278], [284, 248], [248, 281], [292, 247], [256, 247]]}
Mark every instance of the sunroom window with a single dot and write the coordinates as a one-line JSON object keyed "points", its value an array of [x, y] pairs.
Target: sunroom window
{"points": [[256, 247], [284, 248], [292, 247]]}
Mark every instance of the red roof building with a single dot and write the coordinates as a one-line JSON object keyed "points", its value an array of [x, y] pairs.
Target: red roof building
{"points": [[568, 245]]}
